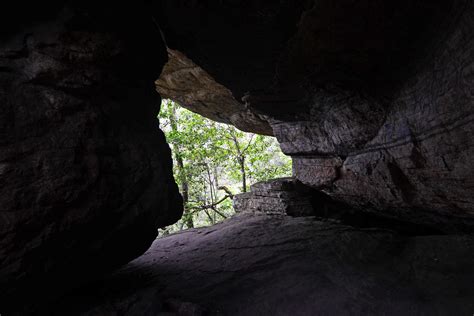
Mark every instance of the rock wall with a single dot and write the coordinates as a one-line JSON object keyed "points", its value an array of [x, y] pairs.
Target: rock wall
{"points": [[373, 100], [409, 158], [285, 196], [85, 172]]}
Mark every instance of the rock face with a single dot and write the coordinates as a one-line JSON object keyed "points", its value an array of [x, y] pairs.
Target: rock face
{"points": [[85, 173], [187, 83], [288, 196], [373, 100], [285, 196], [280, 265]]}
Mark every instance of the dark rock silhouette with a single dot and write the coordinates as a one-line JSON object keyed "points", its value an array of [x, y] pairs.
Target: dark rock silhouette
{"points": [[85, 173]]}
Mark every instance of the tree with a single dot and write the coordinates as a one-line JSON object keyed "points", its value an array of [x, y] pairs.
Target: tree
{"points": [[179, 161], [214, 161]]}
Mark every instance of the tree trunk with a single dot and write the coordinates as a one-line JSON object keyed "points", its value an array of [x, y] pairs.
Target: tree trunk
{"points": [[188, 218], [241, 159], [242, 172]]}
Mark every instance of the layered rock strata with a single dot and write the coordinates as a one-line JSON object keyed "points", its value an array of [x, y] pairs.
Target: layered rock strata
{"points": [[285, 196]]}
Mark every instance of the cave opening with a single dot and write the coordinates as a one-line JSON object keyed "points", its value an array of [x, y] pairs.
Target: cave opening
{"points": [[213, 162], [372, 100]]}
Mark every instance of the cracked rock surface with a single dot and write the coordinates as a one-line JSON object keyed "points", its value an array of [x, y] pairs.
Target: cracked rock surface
{"points": [[281, 265]]}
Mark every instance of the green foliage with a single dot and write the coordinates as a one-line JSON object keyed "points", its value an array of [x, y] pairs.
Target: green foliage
{"points": [[209, 156]]}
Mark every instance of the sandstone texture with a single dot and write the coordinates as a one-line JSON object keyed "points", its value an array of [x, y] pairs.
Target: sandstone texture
{"points": [[373, 100], [185, 82], [85, 172], [285, 196], [281, 265]]}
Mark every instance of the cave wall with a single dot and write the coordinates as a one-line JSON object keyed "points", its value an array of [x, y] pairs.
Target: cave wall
{"points": [[372, 99], [85, 172], [411, 153]]}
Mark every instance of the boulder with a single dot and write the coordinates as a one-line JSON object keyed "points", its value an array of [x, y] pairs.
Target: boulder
{"points": [[286, 196]]}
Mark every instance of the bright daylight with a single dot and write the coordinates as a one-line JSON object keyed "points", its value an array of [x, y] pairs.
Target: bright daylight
{"points": [[213, 161]]}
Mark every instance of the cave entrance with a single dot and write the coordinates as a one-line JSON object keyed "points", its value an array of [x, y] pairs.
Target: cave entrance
{"points": [[214, 161]]}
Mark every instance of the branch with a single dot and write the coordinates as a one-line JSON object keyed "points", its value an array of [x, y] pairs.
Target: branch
{"points": [[215, 210], [216, 203], [226, 189], [209, 206], [165, 123], [248, 145], [209, 216]]}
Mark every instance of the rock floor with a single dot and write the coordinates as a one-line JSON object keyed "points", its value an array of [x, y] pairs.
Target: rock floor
{"points": [[280, 265]]}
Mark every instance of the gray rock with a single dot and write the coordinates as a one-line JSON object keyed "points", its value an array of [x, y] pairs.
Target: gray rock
{"points": [[284, 196], [281, 265], [193, 88], [85, 172]]}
